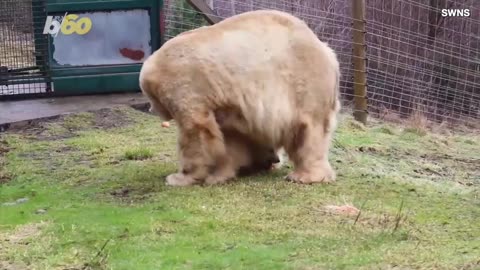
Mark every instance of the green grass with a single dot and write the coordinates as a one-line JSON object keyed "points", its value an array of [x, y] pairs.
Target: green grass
{"points": [[138, 154], [97, 199]]}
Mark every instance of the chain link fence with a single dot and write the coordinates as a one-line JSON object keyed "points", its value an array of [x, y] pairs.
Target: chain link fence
{"points": [[419, 63]]}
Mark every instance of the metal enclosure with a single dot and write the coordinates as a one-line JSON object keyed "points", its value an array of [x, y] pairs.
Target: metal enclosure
{"points": [[83, 47]]}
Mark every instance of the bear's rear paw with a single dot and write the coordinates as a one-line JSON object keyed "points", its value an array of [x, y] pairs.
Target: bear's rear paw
{"points": [[216, 180], [180, 179]]}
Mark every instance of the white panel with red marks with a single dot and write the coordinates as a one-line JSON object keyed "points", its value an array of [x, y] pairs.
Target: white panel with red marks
{"points": [[115, 37]]}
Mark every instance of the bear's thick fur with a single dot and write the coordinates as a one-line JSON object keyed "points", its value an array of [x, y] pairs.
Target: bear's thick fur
{"points": [[267, 73]]}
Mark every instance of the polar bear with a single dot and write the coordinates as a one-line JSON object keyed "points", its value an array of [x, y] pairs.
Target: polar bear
{"points": [[269, 75], [247, 156]]}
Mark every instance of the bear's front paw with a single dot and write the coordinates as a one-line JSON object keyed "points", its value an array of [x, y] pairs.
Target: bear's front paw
{"points": [[180, 179], [326, 175]]}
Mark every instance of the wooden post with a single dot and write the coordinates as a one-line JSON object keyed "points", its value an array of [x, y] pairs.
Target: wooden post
{"points": [[202, 7], [210, 4], [359, 62]]}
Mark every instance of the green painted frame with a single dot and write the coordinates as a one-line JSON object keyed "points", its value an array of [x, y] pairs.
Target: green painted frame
{"points": [[104, 78]]}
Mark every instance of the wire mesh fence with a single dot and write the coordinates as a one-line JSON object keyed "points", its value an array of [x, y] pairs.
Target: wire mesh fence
{"points": [[23, 47], [418, 62], [180, 17], [329, 19], [422, 62]]}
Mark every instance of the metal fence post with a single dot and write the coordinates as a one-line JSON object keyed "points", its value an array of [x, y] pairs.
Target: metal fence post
{"points": [[359, 61]]}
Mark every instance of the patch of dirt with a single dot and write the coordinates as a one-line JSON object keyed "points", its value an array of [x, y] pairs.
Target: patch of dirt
{"points": [[58, 158], [347, 209], [121, 193], [6, 265], [433, 166], [143, 108], [475, 265], [45, 155], [17, 241], [447, 166], [23, 235], [4, 149], [4, 176], [110, 118], [355, 125], [130, 195], [134, 193], [66, 126], [371, 149]]}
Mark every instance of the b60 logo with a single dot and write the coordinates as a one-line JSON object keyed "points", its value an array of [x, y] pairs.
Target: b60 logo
{"points": [[68, 24]]}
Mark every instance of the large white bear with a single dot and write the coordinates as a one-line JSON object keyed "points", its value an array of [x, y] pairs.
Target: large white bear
{"points": [[269, 77]]}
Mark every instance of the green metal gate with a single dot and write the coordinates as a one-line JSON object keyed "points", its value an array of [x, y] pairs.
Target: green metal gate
{"points": [[23, 49], [64, 47]]}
